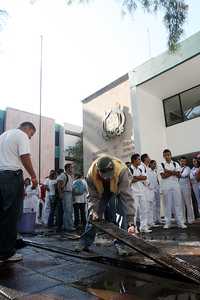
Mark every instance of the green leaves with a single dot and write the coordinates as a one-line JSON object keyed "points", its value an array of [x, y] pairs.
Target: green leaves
{"points": [[175, 14], [77, 153]]}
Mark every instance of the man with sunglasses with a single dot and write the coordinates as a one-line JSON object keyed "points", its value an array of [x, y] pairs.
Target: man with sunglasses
{"points": [[109, 192]]}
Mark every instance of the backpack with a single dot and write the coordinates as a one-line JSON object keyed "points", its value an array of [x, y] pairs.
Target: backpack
{"points": [[78, 187], [162, 164]]}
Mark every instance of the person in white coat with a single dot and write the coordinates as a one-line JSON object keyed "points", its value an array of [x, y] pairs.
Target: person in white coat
{"points": [[170, 174], [149, 193], [138, 190], [186, 192], [31, 200], [194, 182], [154, 182]]}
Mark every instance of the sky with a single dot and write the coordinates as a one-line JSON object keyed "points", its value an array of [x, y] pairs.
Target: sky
{"points": [[85, 47]]}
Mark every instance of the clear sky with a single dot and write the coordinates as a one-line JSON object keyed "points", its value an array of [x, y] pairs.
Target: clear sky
{"points": [[85, 48]]}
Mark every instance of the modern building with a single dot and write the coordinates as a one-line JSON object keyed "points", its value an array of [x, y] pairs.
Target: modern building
{"points": [[14, 117], [155, 106], [55, 139]]}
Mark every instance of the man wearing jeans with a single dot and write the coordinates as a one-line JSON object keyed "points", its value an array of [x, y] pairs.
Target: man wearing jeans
{"points": [[14, 153], [108, 178], [67, 200]]}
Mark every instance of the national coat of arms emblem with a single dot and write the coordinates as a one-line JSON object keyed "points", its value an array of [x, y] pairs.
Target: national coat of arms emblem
{"points": [[114, 122]]}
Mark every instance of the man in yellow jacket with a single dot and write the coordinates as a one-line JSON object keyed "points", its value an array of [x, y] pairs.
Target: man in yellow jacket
{"points": [[109, 192]]}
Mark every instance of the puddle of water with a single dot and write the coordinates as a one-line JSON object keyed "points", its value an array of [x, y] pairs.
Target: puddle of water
{"points": [[136, 286]]}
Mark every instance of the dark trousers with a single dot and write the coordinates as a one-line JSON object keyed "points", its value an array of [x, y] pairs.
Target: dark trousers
{"points": [[11, 203], [79, 210], [59, 213], [115, 205]]}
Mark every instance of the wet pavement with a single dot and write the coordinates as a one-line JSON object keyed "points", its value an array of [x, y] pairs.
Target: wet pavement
{"points": [[46, 275]]}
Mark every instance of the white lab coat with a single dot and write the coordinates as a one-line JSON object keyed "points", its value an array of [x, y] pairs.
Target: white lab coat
{"points": [[195, 185], [185, 186], [31, 200], [154, 183], [138, 190], [172, 194]]}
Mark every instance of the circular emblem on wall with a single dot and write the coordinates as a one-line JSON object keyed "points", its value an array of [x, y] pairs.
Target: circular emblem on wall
{"points": [[114, 122]]}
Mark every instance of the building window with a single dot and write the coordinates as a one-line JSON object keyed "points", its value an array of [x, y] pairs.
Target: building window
{"points": [[182, 107], [191, 103], [172, 108], [57, 138]]}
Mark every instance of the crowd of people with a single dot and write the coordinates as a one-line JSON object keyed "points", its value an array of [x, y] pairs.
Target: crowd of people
{"points": [[64, 204], [128, 195], [61, 201], [174, 180]]}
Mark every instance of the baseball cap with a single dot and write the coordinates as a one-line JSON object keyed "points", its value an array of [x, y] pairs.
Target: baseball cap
{"points": [[105, 167]]}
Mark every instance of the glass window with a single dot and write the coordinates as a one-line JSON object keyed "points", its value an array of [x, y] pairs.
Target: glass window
{"points": [[190, 101], [173, 113]]}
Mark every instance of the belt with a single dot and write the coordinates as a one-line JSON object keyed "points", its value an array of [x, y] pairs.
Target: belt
{"points": [[17, 172]]}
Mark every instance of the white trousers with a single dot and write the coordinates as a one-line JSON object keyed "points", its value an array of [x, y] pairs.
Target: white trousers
{"points": [[172, 199], [141, 209], [187, 203], [196, 190], [46, 210], [149, 195], [156, 206]]}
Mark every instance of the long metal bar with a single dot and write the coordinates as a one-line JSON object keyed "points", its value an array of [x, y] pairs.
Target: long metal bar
{"points": [[161, 257]]}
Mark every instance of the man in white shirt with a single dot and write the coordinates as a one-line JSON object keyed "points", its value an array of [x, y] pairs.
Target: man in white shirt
{"points": [[155, 186], [14, 154], [186, 190], [149, 194], [170, 174], [138, 189]]}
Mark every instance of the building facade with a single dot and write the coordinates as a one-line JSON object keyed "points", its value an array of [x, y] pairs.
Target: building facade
{"points": [[56, 139], [107, 122], [14, 117], [160, 101], [165, 98]]}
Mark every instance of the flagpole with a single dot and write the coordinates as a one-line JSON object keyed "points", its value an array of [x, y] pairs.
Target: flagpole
{"points": [[40, 116]]}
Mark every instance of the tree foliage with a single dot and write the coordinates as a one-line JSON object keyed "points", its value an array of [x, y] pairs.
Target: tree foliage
{"points": [[175, 14], [76, 152]]}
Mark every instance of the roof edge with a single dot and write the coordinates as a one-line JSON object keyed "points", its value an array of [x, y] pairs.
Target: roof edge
{"points": [[105, 89]]}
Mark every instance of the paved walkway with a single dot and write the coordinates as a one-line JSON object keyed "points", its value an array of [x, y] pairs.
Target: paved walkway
{"points": [[43, 274]]}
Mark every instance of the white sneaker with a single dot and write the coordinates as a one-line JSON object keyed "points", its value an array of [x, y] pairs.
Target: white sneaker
{"points": [[14, 258], [123, 250], [145, 230], [166, 226], [182, 226], [155, 225]]}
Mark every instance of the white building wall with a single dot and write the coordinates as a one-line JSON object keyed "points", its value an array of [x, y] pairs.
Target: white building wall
{"points": [[183, 138], [151, 124]]}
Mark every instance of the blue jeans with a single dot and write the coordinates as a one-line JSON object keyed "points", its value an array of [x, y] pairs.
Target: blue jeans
{"points": [[115, 205], [68, 211], [53, 204]]}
